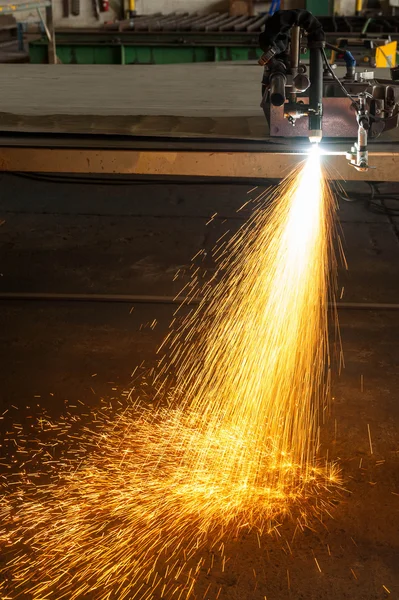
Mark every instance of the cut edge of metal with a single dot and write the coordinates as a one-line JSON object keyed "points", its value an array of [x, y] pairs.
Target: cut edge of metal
{"points": [[234, 165]]}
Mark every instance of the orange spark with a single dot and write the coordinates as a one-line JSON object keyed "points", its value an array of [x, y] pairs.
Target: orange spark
{"points": [[231, 444]]}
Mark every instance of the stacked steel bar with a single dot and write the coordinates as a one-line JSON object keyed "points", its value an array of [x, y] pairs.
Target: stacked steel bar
{"points": [[223, 22], [195, 22]]}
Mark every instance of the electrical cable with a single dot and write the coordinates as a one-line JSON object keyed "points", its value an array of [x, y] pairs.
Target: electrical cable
{"points": [[335, 48], [376, 201], [134, 180], [143, 299], [373, 201], [343, 88], [349, 59]]}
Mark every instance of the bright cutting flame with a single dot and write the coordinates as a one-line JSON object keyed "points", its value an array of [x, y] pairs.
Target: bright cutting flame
{"points": [[129, 512]]}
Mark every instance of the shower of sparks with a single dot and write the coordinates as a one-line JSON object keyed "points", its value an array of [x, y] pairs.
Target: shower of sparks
{"points": [[139, 503]]}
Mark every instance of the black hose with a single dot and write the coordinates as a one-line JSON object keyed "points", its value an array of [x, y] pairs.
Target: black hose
{"points": [[277, 31], [335, 48]]}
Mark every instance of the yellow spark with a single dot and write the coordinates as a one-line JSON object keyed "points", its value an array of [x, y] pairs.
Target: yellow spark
{"points": [[230, 444], [211, 219], [317, 564], [252, 190], [370, 442]]}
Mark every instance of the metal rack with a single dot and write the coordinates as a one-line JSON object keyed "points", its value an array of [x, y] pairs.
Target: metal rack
{"points": [[188, 38], [46, 21]]}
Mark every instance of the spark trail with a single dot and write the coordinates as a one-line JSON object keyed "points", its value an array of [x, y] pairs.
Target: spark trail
{"points": [[232, 445]]}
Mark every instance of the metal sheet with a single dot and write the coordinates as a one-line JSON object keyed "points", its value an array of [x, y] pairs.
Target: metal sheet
{"points": [[187, 164], [339, 120]]}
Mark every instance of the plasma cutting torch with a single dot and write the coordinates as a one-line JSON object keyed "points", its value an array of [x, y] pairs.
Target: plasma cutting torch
{"points": [[357, 105]]}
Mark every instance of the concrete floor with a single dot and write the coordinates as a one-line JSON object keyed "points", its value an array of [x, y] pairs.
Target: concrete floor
{"points": [[132, 239]]}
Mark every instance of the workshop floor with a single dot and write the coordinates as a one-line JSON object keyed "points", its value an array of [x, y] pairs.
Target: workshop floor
{"points": [[131, 239]]}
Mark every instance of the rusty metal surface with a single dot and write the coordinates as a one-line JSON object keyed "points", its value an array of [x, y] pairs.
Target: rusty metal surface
{"points": [[339, 120], [244, 165]]}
